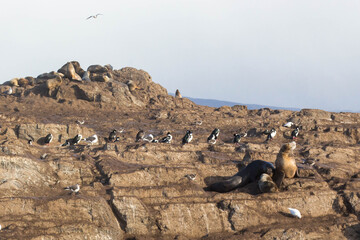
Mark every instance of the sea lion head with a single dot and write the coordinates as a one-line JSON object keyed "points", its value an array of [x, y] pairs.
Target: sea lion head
{"points": [[288, 147], [270, 169]]}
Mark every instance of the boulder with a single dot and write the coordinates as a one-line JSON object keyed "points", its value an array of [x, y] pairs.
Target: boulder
{"points": [[69, 71], [97, 69]]}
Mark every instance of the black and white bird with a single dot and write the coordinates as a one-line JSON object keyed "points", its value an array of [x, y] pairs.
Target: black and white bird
{"points": [[295, 133], [237, 138], [191, 177], [9, 91], [76, 139], [74, 188], [271, 134], [140, 136], [288, 124], [94, 16], [149, 138], [30, 141], [48, 139], [80, 122], [112, 136], [167, 139], [188, 137], [67, 143], [213, 136], [92, 139], [309, 161]]}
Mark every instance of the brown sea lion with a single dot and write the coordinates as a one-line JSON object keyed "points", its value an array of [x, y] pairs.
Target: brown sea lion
{"points": [[285, 163], [177, 94], [266, 184]]}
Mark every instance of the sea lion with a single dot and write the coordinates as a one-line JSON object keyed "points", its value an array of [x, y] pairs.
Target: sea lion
{"points": [[266, 184], [249, 174], [285, 163]]}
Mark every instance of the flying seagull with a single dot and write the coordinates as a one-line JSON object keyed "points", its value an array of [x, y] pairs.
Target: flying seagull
{"points": [[94, 16]]}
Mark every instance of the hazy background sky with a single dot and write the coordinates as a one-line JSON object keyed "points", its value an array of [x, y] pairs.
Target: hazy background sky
{"points": [[303, 54]]}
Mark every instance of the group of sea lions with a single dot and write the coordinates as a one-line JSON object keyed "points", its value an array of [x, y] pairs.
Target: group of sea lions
{"points": [[269, 177]]}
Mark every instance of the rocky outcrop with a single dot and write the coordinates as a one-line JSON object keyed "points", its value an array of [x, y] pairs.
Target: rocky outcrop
{"points": [[149, 190]]}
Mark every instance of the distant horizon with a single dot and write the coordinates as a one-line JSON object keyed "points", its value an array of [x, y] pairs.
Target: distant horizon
{"points": [[219, 103]]}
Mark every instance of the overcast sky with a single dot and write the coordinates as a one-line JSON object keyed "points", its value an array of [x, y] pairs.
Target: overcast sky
{"points": [[303, 54]]}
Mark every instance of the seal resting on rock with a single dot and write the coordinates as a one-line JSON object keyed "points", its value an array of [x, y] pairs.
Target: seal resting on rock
{"points": [[247, 175], [266, 184], [285, 163]]}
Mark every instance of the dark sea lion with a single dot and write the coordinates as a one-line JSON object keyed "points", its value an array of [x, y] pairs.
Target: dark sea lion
{"points": [[285, 163], [266, 184], [249, 174]]}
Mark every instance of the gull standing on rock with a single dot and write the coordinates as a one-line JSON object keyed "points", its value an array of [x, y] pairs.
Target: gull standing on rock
{"points": [[74, 188], [288, 124], [9, 91], [92, 139]]}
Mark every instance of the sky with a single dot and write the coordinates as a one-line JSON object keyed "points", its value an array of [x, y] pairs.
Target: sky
{"points": [[299, 53]]}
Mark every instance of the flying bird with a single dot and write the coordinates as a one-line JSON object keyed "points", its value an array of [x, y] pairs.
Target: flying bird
{"points": [[94, 16]]}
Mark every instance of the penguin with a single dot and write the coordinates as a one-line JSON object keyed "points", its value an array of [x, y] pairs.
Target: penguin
{"points": [[30, 141], [67, 143], [188, 137], [237, 138], [295, 133], [271, 134], [48, 139], [76, 139], [140, 136], [112, 136], [166, 139], [213, 136]]}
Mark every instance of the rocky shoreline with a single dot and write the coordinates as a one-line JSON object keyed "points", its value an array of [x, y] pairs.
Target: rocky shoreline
{"points": [[140, 190]]}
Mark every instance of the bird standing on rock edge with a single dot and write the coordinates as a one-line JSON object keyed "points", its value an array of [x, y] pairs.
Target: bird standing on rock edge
{"points": [[140, 136], [167, 139], [188, 137], [48, 139], [112, 136], [271, 134], [213, 136], [74, 188]]}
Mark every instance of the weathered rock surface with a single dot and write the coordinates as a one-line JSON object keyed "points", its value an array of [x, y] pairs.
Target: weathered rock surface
{"points": [[143, 190]]}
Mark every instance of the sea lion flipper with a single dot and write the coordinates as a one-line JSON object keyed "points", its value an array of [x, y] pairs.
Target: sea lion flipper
{"points": [[278, 178]]}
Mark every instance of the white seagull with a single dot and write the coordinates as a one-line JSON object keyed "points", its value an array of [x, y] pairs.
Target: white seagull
{"points": [[92, 139], [9, 91], [94, 16], [288, 124], [295, 212]]}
